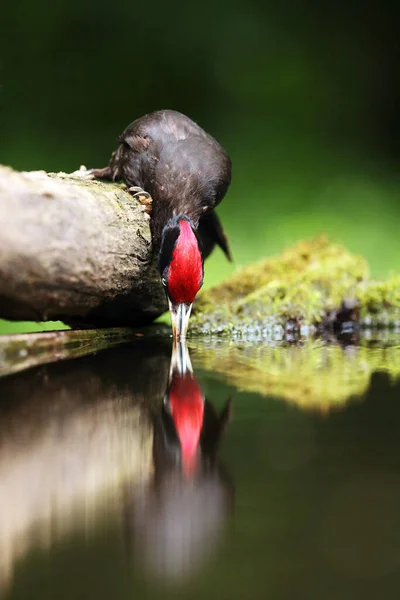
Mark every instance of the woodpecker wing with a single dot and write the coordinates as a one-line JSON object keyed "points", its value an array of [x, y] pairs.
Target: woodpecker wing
{"points": [[211, 233]]}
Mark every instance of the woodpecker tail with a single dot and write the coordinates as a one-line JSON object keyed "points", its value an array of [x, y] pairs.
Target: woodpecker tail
{"points": [[112, 171]]}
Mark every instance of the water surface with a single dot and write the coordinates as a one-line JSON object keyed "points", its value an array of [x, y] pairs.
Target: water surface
{"points": [[266, 472]]}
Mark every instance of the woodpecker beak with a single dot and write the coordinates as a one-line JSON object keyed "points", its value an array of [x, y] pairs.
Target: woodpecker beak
{"points": [[180, 314]]}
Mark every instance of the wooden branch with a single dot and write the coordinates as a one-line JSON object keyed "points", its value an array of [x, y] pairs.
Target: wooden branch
{"points": [[75, 250]]}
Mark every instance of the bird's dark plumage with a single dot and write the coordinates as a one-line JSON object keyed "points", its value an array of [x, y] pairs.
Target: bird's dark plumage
{"points": [[184, 169]]}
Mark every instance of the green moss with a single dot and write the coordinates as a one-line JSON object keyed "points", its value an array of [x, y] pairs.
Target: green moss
{"points": [[379, 301], [300, 290]]}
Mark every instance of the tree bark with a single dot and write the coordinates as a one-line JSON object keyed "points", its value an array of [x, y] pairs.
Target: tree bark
{"points": [[75, 250]]}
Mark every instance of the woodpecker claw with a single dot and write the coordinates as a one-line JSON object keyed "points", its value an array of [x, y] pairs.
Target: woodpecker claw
{"points": [[144, 198], [83, 173]]}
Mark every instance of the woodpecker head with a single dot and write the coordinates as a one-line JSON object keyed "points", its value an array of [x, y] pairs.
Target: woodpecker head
{"points": [[181, 269]]}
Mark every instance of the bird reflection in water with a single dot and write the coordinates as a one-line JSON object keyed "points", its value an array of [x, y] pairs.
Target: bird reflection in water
{"points": [[183, 411], [178, 518]]}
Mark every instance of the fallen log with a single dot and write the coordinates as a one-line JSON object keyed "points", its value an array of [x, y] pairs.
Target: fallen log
{"points": [[75, 250]]}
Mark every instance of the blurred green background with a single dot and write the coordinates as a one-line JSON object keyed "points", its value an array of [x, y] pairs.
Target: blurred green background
{"points": [[303, 95]]}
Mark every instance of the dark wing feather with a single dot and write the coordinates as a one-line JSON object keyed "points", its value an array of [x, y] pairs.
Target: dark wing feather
{"points": [[210, 233]]}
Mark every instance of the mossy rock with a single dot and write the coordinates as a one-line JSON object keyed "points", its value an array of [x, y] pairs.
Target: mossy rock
{"points": [[312, 286]]}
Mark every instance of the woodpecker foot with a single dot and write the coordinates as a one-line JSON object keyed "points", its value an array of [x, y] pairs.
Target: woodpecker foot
{"points": [[83, 173], [144, 198]]}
